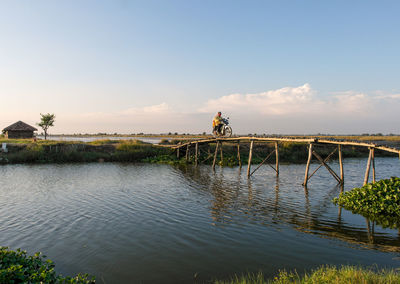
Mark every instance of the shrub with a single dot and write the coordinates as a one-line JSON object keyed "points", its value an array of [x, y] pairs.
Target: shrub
{"points": [[18, 267], [164, 141]]}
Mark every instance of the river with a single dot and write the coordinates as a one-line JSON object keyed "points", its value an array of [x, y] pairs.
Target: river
{"points": [[147, 223], [86, 139]]}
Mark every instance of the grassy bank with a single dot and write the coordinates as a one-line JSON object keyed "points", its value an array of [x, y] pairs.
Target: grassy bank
{"points": [[324, 274], [67, 152], [19, 267], [42, 151]]}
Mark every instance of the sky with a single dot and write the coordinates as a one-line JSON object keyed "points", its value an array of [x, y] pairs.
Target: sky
{"points": [[159, 66]]}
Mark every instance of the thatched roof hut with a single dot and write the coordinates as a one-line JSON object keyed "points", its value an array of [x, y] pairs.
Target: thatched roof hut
{"points": [[19, 130]]}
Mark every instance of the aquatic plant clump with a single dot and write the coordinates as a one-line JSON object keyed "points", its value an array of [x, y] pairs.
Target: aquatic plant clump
{"points": [[18, 267], [378, 201]]}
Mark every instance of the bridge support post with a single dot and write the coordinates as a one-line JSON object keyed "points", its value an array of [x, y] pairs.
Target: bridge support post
{"points": [[250, 156], [238, 154], [276, 159], [341, 164], [368, 166], [196, 153], [308, 164], [215, 156], [373, 165], [222, 156], [177, 152], [187, 153]]}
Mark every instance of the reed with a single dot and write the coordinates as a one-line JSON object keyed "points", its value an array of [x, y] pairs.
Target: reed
{"points": [[323, 274]]}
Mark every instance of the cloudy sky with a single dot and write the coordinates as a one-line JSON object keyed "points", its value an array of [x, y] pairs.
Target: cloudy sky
{"points": [[157, 66]]}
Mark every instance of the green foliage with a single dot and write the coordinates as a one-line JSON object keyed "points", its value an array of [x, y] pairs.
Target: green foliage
{"points": [[378, 201], [162, 159], [131, 145], [66, 152], [138, 151], [323, 274], [18, 267], [165, 142], [244, 279], [46, 121], [15, 141], [31, 153], [104, 142], [45, 151], [54, 153]]}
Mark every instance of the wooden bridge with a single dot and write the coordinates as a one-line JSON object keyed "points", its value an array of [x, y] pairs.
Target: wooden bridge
{"points": [[186, 147]]}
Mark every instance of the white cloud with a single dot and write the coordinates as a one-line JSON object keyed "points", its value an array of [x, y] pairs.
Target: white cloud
{"points": [[390, 96], [352, 103], [153, 109], [291, 101], [275, 102], [289, 110], [158, 118], [303, 110]]}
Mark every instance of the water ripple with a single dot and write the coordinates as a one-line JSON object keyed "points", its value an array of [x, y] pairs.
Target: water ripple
{"points": [[123, 222]]}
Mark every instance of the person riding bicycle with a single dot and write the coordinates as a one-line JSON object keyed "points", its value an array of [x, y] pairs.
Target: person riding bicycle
{"points": [[217, 123]]}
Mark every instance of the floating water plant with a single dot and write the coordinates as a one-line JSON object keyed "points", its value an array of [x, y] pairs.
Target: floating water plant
{"points": [[378, 201]]}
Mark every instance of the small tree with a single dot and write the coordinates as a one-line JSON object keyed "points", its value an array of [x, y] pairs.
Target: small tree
{"points": [[46, 121]]}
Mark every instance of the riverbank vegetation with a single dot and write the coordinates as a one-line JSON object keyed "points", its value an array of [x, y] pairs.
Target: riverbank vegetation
{"points": [[69, 152], [19, 267], [323, 274], [49, 151], [378, 201]]}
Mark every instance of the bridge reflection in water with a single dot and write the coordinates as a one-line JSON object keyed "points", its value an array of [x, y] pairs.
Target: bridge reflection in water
{"points": [[281, 201]]}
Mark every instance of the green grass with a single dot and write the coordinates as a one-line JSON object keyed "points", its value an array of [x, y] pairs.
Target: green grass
{"points": [[38, 141], [324, 274], [41, 151], [104, 142], [47, 151]]}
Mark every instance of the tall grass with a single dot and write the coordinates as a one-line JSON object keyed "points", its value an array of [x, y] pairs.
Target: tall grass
{"points": [[324, 274], [46, 151], [104, 142]]}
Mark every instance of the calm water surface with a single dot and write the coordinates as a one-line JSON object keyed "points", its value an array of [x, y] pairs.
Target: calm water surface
{"points": [[152, 140], [143, 223]]}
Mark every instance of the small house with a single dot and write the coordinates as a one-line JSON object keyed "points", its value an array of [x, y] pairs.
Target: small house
{"points": [[19, 130]]}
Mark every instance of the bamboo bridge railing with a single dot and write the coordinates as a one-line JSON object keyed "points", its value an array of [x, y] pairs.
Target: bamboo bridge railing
{"points": [[310, 141]]}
